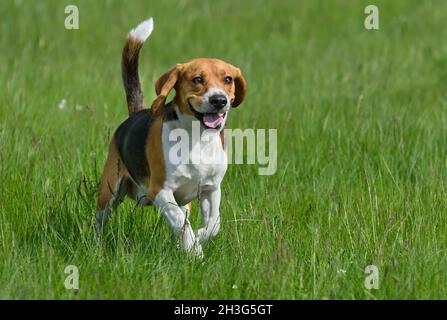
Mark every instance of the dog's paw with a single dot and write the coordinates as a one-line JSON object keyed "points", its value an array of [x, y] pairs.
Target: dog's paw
{"points": [[202, 236], [190, 244], [197, 251]]}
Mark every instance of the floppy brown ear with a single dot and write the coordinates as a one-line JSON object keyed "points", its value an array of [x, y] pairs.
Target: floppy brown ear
{"points": [[163, 86], [240, 88]]}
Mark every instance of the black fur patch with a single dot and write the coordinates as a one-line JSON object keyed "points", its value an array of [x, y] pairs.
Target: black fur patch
{"points": [[130, 138]]}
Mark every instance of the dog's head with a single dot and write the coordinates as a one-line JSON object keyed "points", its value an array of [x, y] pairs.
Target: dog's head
{"points": [[205, 88]]}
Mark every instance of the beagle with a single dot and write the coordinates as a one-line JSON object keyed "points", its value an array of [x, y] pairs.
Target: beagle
{"points": [[139, 164]]}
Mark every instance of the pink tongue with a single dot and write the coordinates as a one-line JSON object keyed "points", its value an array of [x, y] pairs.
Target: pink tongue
{"points": [[213, 120]]}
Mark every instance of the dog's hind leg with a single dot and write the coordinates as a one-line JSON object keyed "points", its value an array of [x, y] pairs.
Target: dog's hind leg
{"points": [[113, 188]]}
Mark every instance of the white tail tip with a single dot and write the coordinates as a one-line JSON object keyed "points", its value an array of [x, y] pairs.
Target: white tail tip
{"points": [[143, 30]]}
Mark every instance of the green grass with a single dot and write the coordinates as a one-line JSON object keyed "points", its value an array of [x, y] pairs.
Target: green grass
{"points": [[362, 155]]}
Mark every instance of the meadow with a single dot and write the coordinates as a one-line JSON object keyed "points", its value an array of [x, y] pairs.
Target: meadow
{"points": [[361, 118]]}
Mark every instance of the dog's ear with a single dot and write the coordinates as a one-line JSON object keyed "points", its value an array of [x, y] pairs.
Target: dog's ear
{"points": [[240, 87], [163, 86]]}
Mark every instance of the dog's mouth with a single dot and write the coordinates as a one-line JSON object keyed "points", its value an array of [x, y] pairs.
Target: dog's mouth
{"points": [[209, 120]]}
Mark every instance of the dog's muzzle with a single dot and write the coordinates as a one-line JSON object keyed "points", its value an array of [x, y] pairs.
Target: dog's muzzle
{"points": [[210, 120]]}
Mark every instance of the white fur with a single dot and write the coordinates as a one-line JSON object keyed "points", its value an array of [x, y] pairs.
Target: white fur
{"points": [[203, 170], [187, 181], [143, 30]]}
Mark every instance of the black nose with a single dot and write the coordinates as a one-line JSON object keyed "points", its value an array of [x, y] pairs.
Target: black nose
{"points": [[218, 101]]}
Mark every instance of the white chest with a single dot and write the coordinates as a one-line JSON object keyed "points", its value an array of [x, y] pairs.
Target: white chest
{"points": [[195, 160]]}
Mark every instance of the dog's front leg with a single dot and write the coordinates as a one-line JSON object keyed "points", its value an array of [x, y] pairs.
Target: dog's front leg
{"points": [[209, 206], [178, 221]]}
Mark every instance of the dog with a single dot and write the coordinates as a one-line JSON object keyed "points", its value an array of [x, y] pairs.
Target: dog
{"points": [[138, 163]]}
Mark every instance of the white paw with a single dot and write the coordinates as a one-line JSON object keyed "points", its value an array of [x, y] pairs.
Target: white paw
{"points": [[191, 245], [197, 251]]}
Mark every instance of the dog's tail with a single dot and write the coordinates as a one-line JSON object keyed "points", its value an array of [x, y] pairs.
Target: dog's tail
{"points": [[129, 64]]}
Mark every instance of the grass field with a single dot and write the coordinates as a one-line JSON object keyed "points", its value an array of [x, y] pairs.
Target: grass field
{"points": [[362, 154]]}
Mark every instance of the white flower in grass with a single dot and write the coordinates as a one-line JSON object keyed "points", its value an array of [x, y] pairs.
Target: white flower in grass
{"points": [[341, 271], [62, 104], [234, 286]]}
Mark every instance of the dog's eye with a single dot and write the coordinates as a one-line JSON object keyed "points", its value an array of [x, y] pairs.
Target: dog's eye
{"points": [[198, 80], [228, 80]]}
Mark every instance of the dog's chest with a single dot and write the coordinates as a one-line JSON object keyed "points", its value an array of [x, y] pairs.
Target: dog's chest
{"points": [[194, 162]]}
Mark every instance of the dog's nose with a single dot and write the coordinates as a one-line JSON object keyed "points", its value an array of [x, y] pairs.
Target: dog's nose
{"points": [[218, 101]]}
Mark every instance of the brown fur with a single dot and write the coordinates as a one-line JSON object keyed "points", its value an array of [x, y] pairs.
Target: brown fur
{"points": [[114, 172], [180, 76], [154, 153]]}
